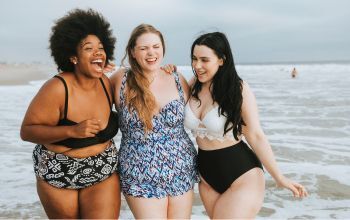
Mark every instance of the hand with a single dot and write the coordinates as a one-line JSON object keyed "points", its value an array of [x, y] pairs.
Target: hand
{"points": [[109, 67], [169, 68], [87, 128], [297, 189]]}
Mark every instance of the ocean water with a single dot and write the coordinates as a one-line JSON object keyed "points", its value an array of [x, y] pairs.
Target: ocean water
{"points": [[307, 121]]}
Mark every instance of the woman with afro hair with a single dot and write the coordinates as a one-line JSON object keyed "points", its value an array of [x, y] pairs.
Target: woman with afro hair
{"points": [[72, 122]]}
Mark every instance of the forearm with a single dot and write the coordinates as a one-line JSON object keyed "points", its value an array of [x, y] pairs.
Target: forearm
{"points": [[263, 150], [44, 134]]}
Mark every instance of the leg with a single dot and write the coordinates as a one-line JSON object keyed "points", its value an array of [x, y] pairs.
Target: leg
{"points": [[180, 207], [101, 200], [58, 203], [244, 198], [143, 208], [208, 195]]}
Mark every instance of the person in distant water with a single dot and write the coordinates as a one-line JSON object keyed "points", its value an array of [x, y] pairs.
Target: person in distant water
{"points": [[294, 73], [72, 122], [223, 116], [157, 160]]}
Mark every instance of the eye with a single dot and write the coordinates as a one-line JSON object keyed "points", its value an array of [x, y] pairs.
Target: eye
{"points": [[88, 48], [194, 58]]}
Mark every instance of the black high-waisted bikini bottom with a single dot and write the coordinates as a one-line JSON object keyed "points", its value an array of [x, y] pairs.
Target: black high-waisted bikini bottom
{"points": [[220, 168]]}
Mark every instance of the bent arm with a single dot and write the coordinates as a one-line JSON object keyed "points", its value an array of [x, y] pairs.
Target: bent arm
{"points": [[254, 134], [258, 141], [43, 113]]}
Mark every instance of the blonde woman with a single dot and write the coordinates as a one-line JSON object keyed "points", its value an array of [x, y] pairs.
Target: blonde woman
{"points": [[157, 160]]}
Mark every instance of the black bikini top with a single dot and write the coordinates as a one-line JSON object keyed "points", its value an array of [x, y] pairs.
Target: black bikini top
{"points": [[104, 135]]}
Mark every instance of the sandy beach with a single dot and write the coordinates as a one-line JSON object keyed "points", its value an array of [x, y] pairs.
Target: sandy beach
{"points": [[19, 74], [307, 125]]}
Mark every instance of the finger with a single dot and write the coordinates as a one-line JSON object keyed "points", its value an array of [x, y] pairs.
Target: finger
{"points": [[94, 121], [166, 69], [94, 128], [88, 133], [301, 189], [94, 131], [305, 193], [294, 190]]}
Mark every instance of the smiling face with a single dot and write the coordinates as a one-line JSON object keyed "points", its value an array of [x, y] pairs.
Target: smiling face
{"points": [[91, 57], [148, 52], [205, 63]]}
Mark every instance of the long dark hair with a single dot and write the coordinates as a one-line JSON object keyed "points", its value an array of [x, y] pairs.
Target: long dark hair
{"points": [[226, 86]]}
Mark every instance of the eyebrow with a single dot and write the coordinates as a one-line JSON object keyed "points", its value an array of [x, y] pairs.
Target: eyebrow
{"points": [[89, 43], [200, 57], [147, 45]]}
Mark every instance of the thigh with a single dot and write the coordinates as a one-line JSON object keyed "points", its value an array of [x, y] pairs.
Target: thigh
{"points": [[244, 198], [101, 200], [208, 195], [58, 203], [143, 208], [180, 207]]}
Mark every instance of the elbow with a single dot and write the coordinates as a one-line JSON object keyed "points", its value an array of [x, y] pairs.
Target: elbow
{"points": [[24, 134]]}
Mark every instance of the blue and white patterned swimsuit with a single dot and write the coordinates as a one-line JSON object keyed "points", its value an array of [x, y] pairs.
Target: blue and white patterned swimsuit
{"points": [[162, 163]]}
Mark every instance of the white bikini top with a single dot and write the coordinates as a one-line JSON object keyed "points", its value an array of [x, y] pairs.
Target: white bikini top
{"points": [[211, 127]]}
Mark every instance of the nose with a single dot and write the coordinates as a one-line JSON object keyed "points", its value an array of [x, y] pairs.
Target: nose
{"points": [[196, 64], [150, 51], [98, 52]]}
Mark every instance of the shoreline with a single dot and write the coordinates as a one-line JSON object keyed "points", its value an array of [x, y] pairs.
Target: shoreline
{"points": [[21, 74]]}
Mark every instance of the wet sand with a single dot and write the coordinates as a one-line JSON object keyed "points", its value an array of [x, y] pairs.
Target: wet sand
{"points": [[18, 74]]}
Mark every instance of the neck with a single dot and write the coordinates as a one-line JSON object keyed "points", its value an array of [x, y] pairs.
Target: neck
{"points": [[83, 82], [206, 85], [151, 75]]}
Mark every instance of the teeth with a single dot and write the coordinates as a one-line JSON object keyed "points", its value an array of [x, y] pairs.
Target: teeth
{"points": [[97, 61], [151, 59]]}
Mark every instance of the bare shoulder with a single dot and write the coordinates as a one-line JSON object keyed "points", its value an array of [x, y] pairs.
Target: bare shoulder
{"points": [[182, 78], [246, 90], [116, 81], [192, 81], [53, 87], [117, 77]]}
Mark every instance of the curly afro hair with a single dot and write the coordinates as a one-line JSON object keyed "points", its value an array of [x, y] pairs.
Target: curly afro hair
{"points": [[69, 30]]}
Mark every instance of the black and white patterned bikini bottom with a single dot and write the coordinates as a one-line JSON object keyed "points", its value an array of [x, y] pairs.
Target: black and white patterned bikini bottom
{"points": [[62, 171]]}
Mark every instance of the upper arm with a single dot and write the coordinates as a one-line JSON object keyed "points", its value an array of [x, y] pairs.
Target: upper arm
{"points": [[192, 81], [185, 86], [116, 83], [250, 114], [47, 105], [109, 87]]}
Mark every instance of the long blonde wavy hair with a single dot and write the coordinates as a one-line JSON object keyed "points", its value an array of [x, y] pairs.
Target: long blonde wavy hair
{"points": [[138, 95]]}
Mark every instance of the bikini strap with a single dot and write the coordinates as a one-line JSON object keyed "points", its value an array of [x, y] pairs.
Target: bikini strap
{"points": [[104, 88], [66, 96], [179, 87], [122, 88]]}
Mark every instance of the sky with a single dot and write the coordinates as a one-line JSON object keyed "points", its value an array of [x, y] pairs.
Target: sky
{"points": [[259, 31]]}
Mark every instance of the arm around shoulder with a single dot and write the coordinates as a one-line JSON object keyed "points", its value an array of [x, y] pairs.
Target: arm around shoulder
{"points": [[185, 86]]}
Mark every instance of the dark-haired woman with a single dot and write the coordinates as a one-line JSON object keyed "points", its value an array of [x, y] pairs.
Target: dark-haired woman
{"points": [[72, 122], [221, 112]]}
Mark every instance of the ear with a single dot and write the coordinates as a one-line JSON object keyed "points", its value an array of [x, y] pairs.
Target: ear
{"points": [[221, 61], [74, 60], [133, 53]]}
